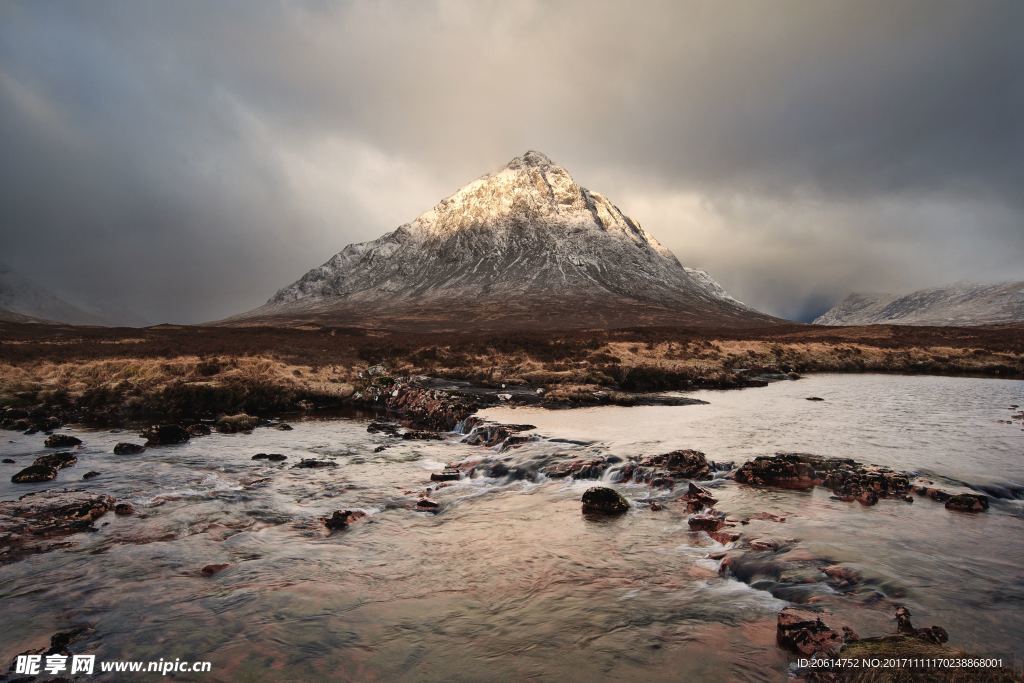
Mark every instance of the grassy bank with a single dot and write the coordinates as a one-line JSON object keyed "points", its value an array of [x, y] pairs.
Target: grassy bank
{"points": [[108, 375]]}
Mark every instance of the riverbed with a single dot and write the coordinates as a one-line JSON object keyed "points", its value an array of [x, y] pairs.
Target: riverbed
{"points": [[508, 581]]}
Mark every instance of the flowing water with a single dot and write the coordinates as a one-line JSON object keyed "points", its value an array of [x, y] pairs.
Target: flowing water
{"points": [[509, 581]]}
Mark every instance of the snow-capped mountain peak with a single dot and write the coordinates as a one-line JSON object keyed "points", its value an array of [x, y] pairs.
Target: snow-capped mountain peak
{"points": [[524, 233]]}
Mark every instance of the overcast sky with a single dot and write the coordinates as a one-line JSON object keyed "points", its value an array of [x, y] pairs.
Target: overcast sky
{"points": [[185, 160]]}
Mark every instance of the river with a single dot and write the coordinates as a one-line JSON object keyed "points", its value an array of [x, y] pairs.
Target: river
{"points": [[509, 581]]}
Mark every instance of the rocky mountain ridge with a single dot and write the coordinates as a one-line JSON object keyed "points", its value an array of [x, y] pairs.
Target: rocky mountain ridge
{"points": [[959, 304]]}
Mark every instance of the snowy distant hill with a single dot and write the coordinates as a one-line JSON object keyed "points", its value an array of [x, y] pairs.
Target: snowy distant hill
{"points": [[524, 246], [960, 304]]}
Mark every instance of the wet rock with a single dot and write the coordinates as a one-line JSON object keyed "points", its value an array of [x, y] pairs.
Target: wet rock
{"points": [[35, 473], [815, 398], [312, 463], [211, 569], [233, 424], [785, 470], [90, 475], [601, 500], [725, 536], [45, 515], [487, 435], [805, 633], [447, 474], [389, 428], [124, 508], [283, 427], [125, 448], [56, 460], [655, 506], [709, 521], [928, 490], [932, 634], [8, 461], [498, 469], [428, 505], [421, 435], [515, 441], [849, 480], [430, 408], [867, 497], [579, 468], [199, 429], [378, 449], [866, 483], [764, 544], [697, 498], [164, 435], [842, 577], [968, 502], [62, 441], [59, 645], [664, 469], [343, 519], [272, 457]]}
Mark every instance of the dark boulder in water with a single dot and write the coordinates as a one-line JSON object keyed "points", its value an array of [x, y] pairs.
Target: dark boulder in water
{"points": [[211, 569], [579, 468], [447, 474], [421, 435], [601, 500], [8, 461], [164, 435], [378, 426], [56, 460], [968, 502], [124, 508], [932, 634], [35, 473], [697, 498], [786, 470], [47, 514], [199, 429], [664, 469], [428, 505], [311, 463], [125, 448], [806, 633], [283, 427], [343, 519], [62, 441], [712, 520], [272, 457], [90, 475]]}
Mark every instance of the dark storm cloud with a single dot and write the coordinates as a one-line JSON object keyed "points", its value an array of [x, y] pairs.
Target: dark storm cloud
{"points": [[187, 159]]}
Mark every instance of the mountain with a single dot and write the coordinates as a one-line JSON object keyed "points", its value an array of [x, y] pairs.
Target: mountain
{"points": [[22, 300], [960, 304], [523, 247]]}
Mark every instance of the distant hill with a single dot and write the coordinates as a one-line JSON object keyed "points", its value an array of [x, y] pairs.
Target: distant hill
{"points": [[960, 304], [23, 300]]}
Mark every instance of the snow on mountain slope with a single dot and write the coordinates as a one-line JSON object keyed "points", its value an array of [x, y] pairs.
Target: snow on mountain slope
{"points": [[525, 237], [959, 304]]}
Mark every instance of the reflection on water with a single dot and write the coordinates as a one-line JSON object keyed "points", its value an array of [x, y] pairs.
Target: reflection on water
{"points": [[509, 581]]}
